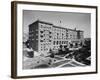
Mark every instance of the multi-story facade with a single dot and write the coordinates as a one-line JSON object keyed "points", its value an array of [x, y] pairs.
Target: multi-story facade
{"points": [[44, 36], [60, 37]]}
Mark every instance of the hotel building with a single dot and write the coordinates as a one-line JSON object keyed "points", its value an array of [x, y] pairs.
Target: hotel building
{"points": [[44, 36]]}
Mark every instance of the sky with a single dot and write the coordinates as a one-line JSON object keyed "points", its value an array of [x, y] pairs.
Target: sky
{"points": [[71, 20]]}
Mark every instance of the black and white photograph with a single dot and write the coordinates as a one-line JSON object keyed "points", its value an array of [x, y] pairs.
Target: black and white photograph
{"points": [[53, 39], [56, 39]]}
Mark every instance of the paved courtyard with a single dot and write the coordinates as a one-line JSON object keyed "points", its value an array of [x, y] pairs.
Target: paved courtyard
{"points": [[47, 62]]}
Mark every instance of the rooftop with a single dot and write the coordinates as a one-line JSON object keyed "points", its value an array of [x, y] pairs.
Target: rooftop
{"points": [[44, 22]]}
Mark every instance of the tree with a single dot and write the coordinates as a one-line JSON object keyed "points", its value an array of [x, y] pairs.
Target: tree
{"points": [[87, 44]]}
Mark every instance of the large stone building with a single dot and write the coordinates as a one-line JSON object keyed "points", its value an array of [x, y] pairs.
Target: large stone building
{"points": [[44, 36]]}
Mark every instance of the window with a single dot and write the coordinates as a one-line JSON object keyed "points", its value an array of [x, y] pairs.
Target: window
{"points": [[41, 40], [70, 36], [41, 36], [41, 26], [54, 42], [32, 39], [41, 31], [57, 42], [50, 36], [36, 30], [49, 32], [62, 42], [49, 40], [36, 39]]}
